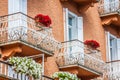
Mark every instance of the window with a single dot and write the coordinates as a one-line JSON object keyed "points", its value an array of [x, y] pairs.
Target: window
{"points": [[73, 29], [113, 52], [113, 47], [118, 48]]}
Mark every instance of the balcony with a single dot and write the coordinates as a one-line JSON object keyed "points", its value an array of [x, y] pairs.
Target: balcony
{"points": [[113, 70], [75, 57], [21, 31], [109, 13], [109, 8]]}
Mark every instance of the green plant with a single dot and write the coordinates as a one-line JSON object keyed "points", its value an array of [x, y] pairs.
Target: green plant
{"points": [[27, 66], [65, 76]]}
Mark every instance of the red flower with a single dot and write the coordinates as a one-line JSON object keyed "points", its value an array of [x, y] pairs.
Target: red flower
{"points": [[92, 43], [45, 20], [39, 18]]}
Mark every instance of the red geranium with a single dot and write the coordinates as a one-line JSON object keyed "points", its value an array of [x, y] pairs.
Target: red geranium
{"points": [[39, 18], [45, 20], [92, 43]]}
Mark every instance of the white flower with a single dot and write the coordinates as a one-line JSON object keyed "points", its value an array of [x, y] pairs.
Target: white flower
{"points": [[27, 66], [65, 76]]}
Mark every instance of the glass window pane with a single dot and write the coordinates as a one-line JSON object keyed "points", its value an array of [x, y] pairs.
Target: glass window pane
{"points": [[70, 34], [70, 20], [110, 43]]}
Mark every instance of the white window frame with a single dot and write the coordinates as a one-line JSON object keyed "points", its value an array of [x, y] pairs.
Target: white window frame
{"points": [[66, 35], [78, 27], [118, 48], [77, 24], [108, 35], [17, 6]]}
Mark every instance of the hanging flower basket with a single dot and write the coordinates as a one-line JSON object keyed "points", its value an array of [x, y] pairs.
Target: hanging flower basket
{"points": [[92, 44], [43, 20]]}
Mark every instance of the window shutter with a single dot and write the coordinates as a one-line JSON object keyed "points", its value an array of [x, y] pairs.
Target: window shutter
{"points": [[23, 6], [65, 14], [80, 28], [80, 37], [15, 6], [118, 48], [108, 46]]}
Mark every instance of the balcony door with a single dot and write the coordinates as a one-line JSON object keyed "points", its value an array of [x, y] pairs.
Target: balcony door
{"points": [[73, 29], [17, 25], [118, 48]]}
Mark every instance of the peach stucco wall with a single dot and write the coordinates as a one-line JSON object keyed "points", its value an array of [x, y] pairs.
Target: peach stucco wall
{"points": [[92, 26], [3, 7]]}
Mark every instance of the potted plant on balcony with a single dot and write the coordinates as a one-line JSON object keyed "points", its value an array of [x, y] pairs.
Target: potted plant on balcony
{"points": [[92, 44], [43, 20], [64, 76], [26, 66]]}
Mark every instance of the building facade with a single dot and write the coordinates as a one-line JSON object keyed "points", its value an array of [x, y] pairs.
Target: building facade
{"points": [[61, 47]]}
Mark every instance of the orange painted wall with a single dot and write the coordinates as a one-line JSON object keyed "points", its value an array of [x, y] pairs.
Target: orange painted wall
{"points": [[72, 6], [3, 7], [92, 27]]}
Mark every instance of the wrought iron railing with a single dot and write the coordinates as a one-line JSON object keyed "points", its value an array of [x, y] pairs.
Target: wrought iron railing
{"points": [[76, 53], [113, 70], [110, 7], [20, 27]]}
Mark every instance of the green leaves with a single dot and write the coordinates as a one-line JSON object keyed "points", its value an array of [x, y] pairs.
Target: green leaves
{"points": [[65, 76]]}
